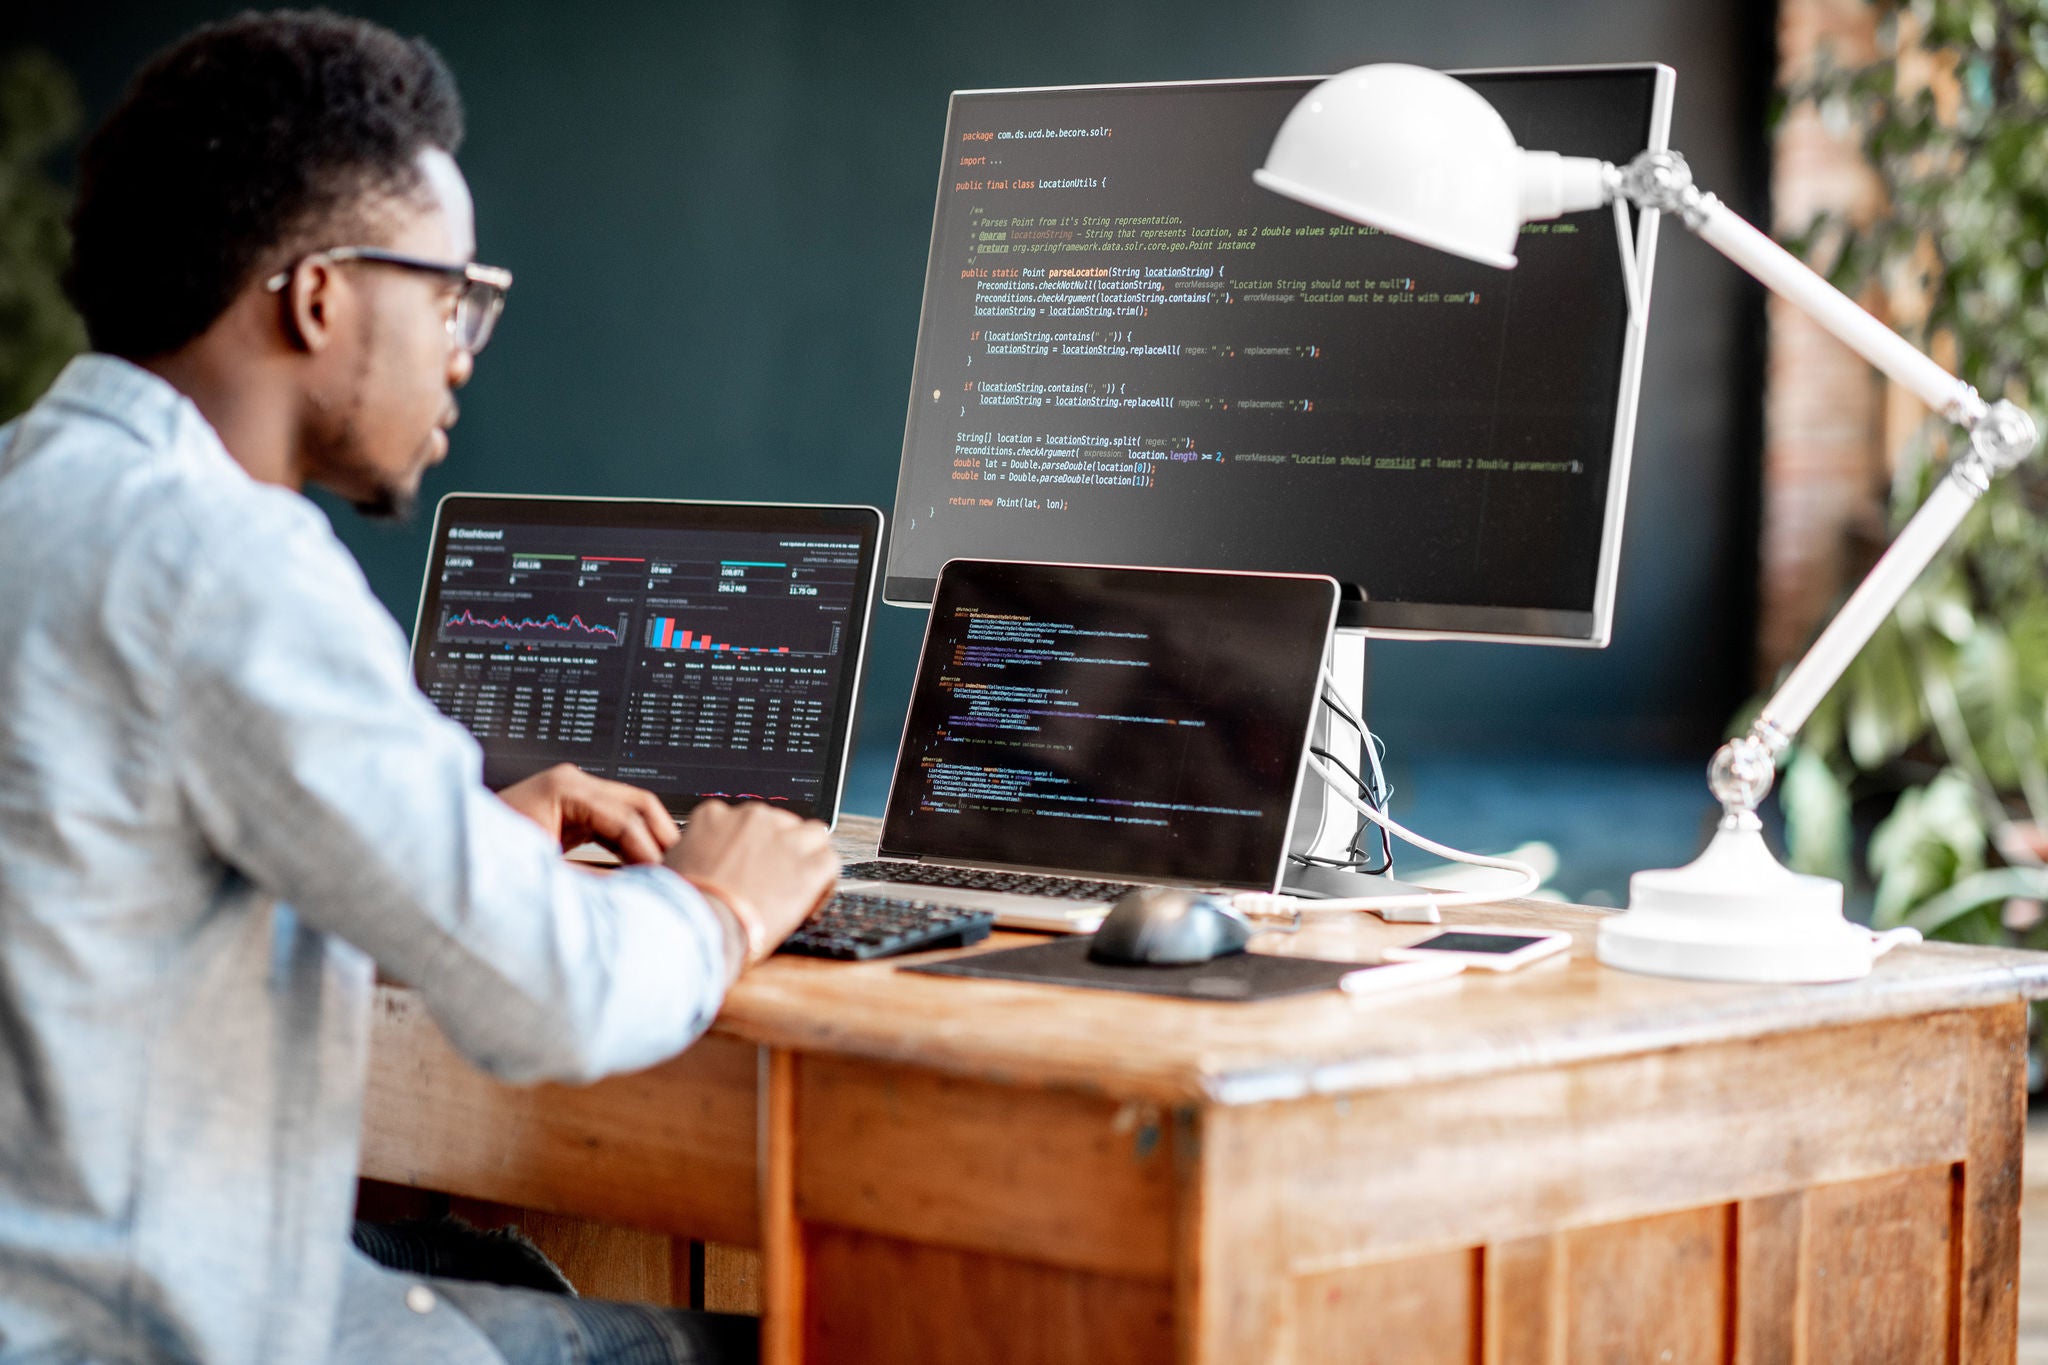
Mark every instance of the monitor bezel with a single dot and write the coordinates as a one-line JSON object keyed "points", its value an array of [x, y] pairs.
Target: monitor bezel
{"points": [[1591, 629]]}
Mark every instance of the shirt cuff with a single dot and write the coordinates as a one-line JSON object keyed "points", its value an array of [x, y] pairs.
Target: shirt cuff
{"points": [[734, 934]]}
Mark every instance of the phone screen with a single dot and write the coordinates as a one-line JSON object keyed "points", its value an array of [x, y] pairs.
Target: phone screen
{"points": [[1454, 942]]}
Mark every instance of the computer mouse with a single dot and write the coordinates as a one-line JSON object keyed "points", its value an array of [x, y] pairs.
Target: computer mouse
{"points": [[1165, 926]]}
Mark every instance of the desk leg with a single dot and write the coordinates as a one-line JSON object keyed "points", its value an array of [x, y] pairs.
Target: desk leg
{"points": [[1232, 1274], [1987, 1254], [920, 1219], [1190, 1276], [782, 1248]]}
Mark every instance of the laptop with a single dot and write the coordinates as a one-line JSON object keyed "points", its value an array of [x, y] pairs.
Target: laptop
{"points": [[695, 649], [1075, 730]]}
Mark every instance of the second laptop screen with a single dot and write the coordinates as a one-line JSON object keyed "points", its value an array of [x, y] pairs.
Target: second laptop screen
{"points": [[1135, 723]]}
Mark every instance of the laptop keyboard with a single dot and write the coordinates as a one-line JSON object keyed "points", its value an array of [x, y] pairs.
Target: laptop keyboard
{"points": [[971, 879], [853, 926]]}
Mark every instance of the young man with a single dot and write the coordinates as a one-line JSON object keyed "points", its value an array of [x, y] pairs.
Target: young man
{"points": [[223, 802]]}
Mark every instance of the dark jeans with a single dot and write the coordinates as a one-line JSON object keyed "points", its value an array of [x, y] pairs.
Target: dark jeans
{"points": [[520, 1301]]}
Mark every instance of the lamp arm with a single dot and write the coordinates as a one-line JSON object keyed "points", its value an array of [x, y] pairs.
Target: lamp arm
{"points": [[1662, 180], [2001, 435], [1743, 769]]}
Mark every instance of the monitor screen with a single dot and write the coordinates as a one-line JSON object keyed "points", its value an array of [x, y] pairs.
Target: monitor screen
{"points": [[1124, 722], [695, 649], [1129, 353]]}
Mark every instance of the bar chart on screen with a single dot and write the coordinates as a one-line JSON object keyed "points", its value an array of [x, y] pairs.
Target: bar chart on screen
{"points": [[665, 632]]}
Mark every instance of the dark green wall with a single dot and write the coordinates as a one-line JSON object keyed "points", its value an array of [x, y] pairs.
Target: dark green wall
{"points": [[719, 215]]}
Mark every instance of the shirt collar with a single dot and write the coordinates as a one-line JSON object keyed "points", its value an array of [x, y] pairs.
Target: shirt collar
{"points": [[144, 403], [110, 387]]}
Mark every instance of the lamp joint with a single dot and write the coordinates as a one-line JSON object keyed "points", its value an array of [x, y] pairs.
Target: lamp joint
{"points": [[2001, 436], [1662, 180], [1744, 768], [1967, 409]]}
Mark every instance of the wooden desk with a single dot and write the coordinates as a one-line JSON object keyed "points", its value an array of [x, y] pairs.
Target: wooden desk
{"points": [[1570, 1163]]}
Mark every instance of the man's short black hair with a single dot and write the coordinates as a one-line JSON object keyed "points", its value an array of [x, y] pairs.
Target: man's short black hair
{"points": [[243, 145]]}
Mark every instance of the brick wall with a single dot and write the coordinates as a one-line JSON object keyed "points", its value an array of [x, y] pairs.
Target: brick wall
{"points": [[1825, 409]]}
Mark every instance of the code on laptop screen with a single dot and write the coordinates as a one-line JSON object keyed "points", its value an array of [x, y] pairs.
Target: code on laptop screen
{"points": [[1129, 722]]}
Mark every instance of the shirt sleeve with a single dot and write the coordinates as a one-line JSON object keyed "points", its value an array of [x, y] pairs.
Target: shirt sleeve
{"points": [[318, 770]]}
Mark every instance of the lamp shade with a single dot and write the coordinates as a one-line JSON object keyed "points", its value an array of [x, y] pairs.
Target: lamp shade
{"points": [[1409, 151]]}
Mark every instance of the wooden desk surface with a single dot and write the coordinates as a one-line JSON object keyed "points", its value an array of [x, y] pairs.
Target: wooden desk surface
{"points": [[1324, 1043], [1563, 1163]]}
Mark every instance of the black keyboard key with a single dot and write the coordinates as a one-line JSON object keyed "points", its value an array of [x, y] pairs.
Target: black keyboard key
{"points": [[853, 926], [1024, 883]]}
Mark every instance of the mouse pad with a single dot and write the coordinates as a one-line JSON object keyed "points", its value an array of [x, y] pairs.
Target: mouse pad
{"points": [[1064, 962]]}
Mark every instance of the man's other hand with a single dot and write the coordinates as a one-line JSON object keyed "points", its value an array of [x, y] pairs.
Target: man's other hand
{"points": [[576, 808], [769, 867]]}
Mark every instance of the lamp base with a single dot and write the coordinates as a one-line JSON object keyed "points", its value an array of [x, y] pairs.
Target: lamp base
{"points": [[1737, 914]]}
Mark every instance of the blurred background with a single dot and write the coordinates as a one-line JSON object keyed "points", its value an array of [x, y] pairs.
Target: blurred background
{"points": [[719, 217]]}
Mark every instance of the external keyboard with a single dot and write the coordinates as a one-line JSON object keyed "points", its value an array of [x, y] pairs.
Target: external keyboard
{"points": [[853, 925], [967, 878]]}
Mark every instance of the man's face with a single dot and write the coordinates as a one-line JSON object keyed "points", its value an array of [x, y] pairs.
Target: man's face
{"points": [[385, 417]]}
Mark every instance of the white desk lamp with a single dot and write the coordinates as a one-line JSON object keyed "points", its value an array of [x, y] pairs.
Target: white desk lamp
{"points": [[1421, 155]]}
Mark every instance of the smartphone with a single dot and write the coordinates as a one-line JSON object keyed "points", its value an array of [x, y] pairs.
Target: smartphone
{"points": [[1492, 947], [1392, 976]]}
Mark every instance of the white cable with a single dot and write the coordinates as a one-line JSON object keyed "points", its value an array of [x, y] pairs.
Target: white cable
{"points": [[1527, 878], [1333, 697], [1631, 279], [1367, 740]]}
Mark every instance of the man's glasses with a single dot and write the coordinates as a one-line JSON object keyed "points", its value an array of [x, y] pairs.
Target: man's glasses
{"points": [[479, 289]]}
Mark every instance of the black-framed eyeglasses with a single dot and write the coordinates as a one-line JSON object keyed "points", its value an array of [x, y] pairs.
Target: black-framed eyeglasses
{"points": [[479, 289]]}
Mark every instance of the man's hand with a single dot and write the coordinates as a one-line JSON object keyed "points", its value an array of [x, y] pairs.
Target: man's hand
{"points": [[576, 808], [769, 867]]}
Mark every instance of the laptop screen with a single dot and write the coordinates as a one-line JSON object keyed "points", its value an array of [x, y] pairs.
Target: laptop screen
{"points": [[694, 649], [1143, 723]]}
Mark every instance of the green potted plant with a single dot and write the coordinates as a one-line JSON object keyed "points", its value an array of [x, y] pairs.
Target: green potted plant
{"points": [[39, 112]]}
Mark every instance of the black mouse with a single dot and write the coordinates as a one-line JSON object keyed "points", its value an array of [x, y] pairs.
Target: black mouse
{"points": [[1162, 926]]}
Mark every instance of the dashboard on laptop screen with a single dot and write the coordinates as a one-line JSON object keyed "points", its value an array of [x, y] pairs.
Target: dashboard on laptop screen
{"points": [[693, 649]]}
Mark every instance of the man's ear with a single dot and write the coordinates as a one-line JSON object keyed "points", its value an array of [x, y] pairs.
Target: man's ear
{"points": [[309, 303]]}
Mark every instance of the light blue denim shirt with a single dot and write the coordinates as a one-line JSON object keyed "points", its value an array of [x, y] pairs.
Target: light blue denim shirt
{"points": [[222, 798]]}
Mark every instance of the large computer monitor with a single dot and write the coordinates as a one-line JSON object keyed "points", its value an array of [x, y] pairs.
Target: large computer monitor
{"points": [[1131, 354]]}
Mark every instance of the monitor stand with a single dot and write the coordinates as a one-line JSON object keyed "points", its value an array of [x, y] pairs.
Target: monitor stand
{"points": [[1324, 825]]}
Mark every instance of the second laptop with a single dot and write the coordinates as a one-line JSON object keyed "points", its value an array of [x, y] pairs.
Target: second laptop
{"points": [[1077, 729]]}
